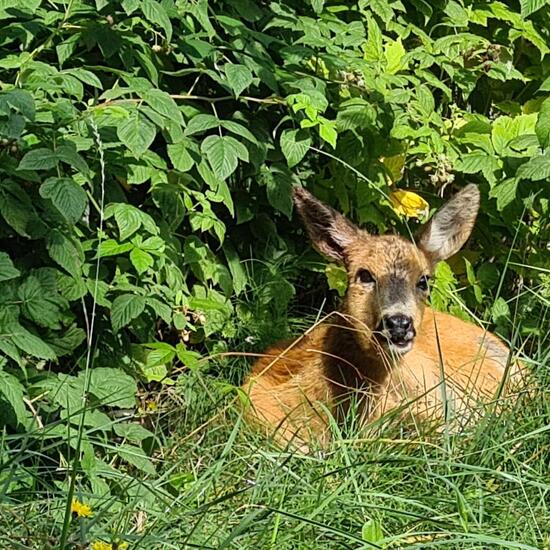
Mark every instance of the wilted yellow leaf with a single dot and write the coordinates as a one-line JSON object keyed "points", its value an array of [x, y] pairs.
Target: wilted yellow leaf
{"points": [[409, 204]]}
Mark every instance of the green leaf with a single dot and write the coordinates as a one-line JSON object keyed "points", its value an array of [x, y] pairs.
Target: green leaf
{"points": [[373, 47], [372, 531], [132, 431], [162, 310], [162, 103], [38, 304], [110, 247], [223, 154], [29, 343], [472, 163], [279, 191], [13, 392], [67, 196], [137, 133], [141, 260], [542, 127], [395, 56], [128, 219], [238, 273], [125, 309], [113, 387], [64, 252], [536, 169], [69, 155], [180, 156], [155, 13], [327, 131], [500, 310], [201, 123], [7, 269], [239, 77], [505, 193], [529, 7], [136, 457], [294, 145], [337, 278], [85, 76], [39, 159]]}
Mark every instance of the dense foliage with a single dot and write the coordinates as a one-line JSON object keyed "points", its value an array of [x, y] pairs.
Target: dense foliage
{"points": [[148, 153]]}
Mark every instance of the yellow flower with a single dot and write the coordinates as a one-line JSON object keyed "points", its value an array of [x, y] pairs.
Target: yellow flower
{"points": [[80, 509], [409, 204], [100, 545]]}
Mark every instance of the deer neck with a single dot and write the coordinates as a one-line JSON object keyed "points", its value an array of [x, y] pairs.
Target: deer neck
{"points": [[354, 359]]}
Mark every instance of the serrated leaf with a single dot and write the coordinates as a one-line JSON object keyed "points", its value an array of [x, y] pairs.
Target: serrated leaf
{"points": [[110, 247], [472, 163], [529, 7], [31, 344], [238, 273], [161, 309], [67, 196], [64, 252], [37, 304], [327, 131], [7, 269], [373, 48], [113, 387], [279, 191], [239, 77], [69, 155], [132, 431], [500, 310], [136, 457], [223, 153], [125, 309], [141, 260], [504, 192], [337, 278], [13, 392], [155, 13], [294, 145], [395, 56], [542, 127], [180, 156], [161, 102], [239, 130], [536, 169], [201, 123], [85, 76], [137, 133], [128, 220], [39, 159]]}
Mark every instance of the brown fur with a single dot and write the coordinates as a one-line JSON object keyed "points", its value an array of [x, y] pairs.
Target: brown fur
{"points": [[452, 364]]}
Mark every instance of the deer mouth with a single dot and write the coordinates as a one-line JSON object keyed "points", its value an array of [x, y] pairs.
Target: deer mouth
{"points": [[397, 344]]}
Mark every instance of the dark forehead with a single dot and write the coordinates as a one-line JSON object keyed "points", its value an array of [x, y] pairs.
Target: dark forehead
{"points": [[387, 254]]}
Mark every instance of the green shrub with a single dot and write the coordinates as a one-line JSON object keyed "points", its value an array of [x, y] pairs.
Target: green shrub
{"points": [[148, 154]]}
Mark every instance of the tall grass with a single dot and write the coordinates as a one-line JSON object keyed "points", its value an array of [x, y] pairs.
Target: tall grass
{"points": [[222, 485]]}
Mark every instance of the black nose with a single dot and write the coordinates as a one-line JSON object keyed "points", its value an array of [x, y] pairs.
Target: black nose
{"points": [[400, 327]]}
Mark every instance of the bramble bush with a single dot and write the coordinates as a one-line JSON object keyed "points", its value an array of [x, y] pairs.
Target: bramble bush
{"points": [[148, 152]]}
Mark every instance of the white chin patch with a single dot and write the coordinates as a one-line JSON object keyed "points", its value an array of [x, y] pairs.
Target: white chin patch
{"points": [[395, 349]]}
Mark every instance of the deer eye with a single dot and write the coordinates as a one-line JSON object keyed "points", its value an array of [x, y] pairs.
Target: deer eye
{"points": [[423, 283], [365, 276]]}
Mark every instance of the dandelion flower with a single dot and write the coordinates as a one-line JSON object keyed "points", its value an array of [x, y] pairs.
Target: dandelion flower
{"points": [[80, 509], [100, 545]]}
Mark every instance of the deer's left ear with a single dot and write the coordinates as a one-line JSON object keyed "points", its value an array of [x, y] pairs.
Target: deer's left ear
{"points": [[451, 225]]}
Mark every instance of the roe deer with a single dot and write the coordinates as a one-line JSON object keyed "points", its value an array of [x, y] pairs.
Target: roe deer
{"points": [[384, 346]]}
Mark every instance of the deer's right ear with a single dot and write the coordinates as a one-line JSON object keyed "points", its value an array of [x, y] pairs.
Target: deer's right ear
{"points": [[328, 230]]}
